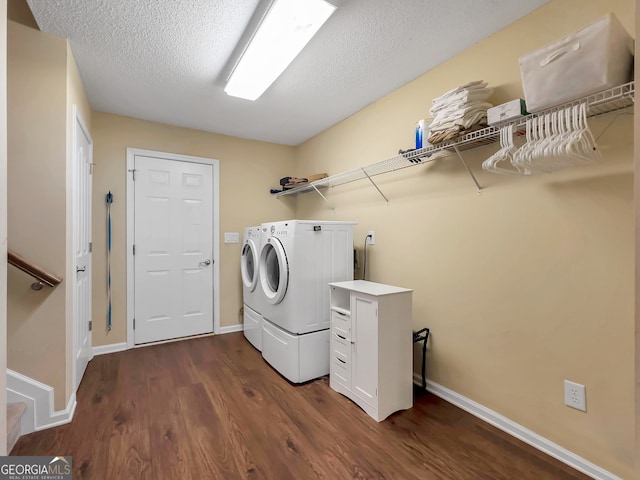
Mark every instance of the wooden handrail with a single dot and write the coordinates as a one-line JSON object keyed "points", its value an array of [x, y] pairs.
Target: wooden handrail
{"points": [[40, 274]]}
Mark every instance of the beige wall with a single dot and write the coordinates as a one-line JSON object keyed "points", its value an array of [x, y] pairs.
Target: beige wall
{"points": [[18, 11], [3, 223], [248, 169], [75, 96], [637, 251], [36, 331], [524, 286]]}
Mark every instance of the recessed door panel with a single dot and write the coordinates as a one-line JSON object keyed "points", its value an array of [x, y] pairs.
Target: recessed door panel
{"points": [[364, 333]]}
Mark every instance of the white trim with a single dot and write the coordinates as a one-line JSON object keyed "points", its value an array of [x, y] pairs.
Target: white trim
{"points": [[131, 153], [518, 431], [238, 327], [129, 234], [61, 417], [38, 397], [173, 340], [110, 348]]}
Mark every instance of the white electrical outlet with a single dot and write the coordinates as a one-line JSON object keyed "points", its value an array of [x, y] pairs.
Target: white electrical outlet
{"points": [[371, 237], [231, 237], [575, 395]]}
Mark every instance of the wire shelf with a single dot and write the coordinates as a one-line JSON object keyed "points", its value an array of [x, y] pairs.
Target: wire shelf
{"points": [[601, 103]]}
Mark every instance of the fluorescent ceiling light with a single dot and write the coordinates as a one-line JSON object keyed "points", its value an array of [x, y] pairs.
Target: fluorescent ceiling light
{"points": [[285, 30]]}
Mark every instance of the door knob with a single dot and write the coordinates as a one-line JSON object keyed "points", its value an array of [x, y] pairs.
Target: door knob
{"points": [[206, 263]]}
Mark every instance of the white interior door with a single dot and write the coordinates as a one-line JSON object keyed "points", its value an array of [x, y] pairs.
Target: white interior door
{"points": [[173, 249], [82, 168]]}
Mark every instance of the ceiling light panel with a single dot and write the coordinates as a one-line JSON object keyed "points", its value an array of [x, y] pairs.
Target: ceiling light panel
{"points": [[285, 30]]}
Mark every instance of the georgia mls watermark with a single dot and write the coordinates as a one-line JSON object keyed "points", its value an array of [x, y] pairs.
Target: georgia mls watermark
{"points": [[35, 468]]}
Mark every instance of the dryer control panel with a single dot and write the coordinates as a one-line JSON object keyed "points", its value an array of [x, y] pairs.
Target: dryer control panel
{"points": [[280, 229]]}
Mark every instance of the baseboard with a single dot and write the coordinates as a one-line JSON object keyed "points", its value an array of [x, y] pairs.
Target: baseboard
{"points": [[61, 417], [111, 348], [38, 397], [231, 328], [518, 431]]}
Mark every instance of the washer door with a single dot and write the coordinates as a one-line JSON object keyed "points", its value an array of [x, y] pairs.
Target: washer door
{"points": [[249, 265], [274, 270]]}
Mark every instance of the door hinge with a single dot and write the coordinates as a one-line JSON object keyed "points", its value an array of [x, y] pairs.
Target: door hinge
{"points": [[90, 325], [91, 168], [90, 247], [134, 248], [133, 173], [134, 323]]}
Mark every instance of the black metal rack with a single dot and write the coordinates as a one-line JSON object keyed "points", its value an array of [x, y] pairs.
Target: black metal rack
{"points": [[422, 335]]}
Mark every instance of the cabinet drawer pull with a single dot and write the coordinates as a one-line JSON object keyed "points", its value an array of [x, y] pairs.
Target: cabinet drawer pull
{"points": [[340, 313], [340, 360], [340, 336]]}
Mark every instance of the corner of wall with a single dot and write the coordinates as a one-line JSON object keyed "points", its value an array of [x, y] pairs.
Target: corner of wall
{"points": [[36, 79], [69, 250], [18, 11]]}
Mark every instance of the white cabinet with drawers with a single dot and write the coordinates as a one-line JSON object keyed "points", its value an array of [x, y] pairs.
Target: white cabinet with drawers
{"points": [[371, 359]]}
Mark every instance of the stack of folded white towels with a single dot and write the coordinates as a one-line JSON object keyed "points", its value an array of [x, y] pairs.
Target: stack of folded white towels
{"points": [[459, 111]]}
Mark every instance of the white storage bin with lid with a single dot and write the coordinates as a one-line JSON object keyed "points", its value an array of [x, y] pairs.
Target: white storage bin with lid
{"points": [[595, 58]]}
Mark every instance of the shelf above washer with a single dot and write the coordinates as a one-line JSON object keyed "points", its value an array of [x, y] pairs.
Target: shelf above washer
{"points": [[607, 101]]}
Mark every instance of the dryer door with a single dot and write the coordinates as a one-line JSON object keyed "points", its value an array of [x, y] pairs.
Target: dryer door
{"points": [[249, 265], [274, 270]]}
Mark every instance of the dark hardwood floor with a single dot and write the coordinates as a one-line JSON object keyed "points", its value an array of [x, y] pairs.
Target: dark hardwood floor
{"points": [[211, 408]]}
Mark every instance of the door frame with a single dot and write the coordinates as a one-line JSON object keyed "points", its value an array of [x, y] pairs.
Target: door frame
{"points": [[78, 120], [131, 154]]}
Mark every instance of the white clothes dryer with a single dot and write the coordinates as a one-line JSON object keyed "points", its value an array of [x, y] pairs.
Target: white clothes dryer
{"points": [[298, 259], [251, 295]]}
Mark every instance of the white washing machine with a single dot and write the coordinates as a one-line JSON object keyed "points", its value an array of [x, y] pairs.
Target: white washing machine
{"points": [[298, 259], [251, 295]]}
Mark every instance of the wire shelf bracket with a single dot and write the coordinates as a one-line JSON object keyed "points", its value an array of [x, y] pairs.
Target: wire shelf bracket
{"points": [[475, 180], [376, 186], [323, 197]]}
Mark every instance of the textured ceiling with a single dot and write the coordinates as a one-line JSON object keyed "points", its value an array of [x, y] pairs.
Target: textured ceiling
{"points": [[166, 60]]}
